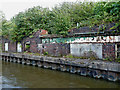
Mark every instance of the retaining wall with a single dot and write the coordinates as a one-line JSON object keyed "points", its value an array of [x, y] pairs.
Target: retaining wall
{"points": [[97, 68]]}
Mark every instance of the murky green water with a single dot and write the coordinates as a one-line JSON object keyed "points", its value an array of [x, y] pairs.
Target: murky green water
{"points": [[0, 74], [22, 76]]}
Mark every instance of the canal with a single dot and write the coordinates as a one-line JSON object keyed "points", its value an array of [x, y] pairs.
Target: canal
{"points": [[22, 76]]}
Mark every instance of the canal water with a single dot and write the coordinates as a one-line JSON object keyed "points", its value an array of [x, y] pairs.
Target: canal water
{"points": [[22, 76], [0, 74]]}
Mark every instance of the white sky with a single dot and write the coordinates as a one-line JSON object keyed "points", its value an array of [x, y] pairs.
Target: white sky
{"points": [[12, 7]]}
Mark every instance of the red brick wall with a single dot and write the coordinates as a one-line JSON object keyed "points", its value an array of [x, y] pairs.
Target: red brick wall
{"points": [[109, 50], [4, 40], [12, 47], [3, 47], [56, 49], [34, 46], [34, 41]]}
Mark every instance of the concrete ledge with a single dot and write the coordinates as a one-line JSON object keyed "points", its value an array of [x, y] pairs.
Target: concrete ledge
{"points": [[92, 64]]}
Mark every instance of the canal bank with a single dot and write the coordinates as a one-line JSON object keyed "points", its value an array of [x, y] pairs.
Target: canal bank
{"points": [[24, 76], [33, 77], [94, 68]]}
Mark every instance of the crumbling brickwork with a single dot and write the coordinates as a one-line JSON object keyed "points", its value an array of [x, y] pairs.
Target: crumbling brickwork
{"points": [[11, 45], [56, 49], [34, 41], [108, 50]]}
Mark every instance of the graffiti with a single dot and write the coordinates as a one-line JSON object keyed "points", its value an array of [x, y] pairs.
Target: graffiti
{"points": [[83, 39]]}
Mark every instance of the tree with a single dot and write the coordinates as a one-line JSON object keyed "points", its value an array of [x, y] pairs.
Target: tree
{"points": [[61, 18]]}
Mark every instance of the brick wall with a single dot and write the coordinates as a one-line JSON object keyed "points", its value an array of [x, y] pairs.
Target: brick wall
{"points": [[34, 41], [108, 50], [34, 45], [4, 40], [56, 49], [3, 47], [12, 47]]}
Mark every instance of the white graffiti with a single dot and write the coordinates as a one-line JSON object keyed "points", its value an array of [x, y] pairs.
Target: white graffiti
{"points": [[98, 39]]}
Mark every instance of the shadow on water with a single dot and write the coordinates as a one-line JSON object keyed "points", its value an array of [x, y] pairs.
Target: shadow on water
{"points": [[18, 75]]}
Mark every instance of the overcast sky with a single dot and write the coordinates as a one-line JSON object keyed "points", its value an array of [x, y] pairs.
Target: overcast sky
{"points": [[12, 7]]}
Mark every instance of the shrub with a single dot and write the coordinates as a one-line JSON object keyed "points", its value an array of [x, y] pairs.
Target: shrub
{"points": [[45, 53]]}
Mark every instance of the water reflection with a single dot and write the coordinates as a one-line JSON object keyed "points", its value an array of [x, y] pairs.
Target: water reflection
{"points": [[17, 75], [0, 74]]}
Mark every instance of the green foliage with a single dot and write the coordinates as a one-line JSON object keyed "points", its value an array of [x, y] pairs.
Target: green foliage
{"points": [[69, 56], [113, 8], [31, 36], [45, 53], [93, 58], [61, 18], [118, 59], [7, 28], [27, 46], [108, 59]]}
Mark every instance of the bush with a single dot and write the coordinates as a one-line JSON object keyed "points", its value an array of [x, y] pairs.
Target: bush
{"points": [[69, 56], [45, 53], [27, 46], [91, 55], [118, 59]]}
